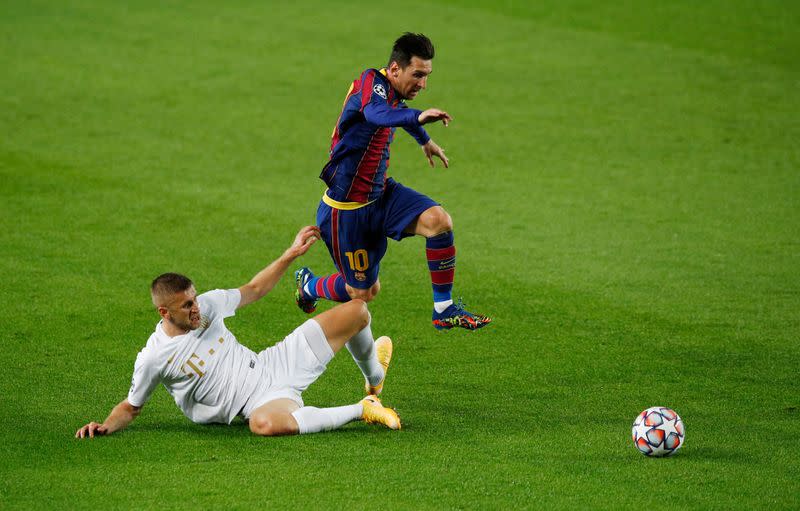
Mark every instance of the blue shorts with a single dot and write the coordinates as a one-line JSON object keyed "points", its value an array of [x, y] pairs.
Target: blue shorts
{"points": [[356, 238]]}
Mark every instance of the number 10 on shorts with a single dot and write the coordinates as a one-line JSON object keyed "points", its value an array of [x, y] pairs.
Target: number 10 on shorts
{"points": [[359, 261]]}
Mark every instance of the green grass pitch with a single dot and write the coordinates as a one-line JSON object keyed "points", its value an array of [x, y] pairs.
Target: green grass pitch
{"points": [[625, 188]]}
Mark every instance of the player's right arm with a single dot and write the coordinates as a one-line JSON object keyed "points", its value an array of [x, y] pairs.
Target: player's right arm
{"points": [[146, 377], [119, 418]]}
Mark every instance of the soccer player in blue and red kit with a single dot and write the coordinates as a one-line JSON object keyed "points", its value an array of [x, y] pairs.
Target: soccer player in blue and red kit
{"points": [[362, 207]]}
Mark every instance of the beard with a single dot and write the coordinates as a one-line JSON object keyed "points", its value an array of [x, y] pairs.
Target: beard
{"points": [[188, 324]]}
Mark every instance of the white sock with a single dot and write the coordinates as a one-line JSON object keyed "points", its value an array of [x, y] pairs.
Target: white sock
{"points": [[441, 306], [362, 347], [314, 420]]}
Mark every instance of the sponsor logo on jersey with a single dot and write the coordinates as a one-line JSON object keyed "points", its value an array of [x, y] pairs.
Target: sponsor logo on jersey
{"points": [[379, 90]]}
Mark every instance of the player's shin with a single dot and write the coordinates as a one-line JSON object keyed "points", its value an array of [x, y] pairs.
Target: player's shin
{"points": [[314, 420], [362, 347], [441, 253], [329, 287]]}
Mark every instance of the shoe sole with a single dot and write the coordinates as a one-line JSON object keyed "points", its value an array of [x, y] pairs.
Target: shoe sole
{"points": [[465, 323]]}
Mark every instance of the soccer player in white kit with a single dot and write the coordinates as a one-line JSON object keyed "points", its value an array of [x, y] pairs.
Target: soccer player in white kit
{"points": [[213, 378]]}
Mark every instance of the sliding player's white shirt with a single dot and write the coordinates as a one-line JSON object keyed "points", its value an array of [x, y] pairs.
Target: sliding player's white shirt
{"points": [[208, 373]]}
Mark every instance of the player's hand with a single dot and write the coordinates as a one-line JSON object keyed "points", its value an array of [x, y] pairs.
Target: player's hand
{"points": [[432, 149], [306, 237], [433, 115], [91, 430]]}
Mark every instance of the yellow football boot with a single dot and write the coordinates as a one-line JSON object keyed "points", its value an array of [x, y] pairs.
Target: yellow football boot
{"points": [[383, 347], [375, 413]]}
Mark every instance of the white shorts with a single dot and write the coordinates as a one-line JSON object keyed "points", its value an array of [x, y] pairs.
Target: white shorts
{"points": [[291, 366]]}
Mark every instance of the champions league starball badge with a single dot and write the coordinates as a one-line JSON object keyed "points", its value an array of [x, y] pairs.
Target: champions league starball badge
{"points": [[379, 90]]}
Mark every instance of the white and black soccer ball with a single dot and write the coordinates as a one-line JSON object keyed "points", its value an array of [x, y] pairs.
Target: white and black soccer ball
{"points": [[658, 431]]}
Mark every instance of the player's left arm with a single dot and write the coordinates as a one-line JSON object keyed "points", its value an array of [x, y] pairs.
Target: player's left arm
{"points": [[432, 149], [429, 147], [266, 279]]}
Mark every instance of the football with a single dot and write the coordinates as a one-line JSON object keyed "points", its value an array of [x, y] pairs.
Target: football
{"points": [[658, 431]]}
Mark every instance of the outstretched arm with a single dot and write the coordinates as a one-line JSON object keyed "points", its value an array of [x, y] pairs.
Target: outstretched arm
{"points": [[434, 114], [379, 113], [266, 279], [119, 418]]}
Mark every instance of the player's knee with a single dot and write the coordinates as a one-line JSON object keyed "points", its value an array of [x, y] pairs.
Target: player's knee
{"points": [[268, 426], [437, 220], [444, 222], [261, 426], [362, 315]]}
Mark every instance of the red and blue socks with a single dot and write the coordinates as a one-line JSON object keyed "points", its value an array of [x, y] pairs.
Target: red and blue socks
{"points": [[329, 287], [441, 253]]}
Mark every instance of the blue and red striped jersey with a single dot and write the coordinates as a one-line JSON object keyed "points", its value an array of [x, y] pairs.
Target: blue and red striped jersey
{"points": [[359, 154]]}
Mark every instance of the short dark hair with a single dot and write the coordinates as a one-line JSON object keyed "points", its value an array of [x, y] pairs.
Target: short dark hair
{"points": [[168, 284], [411, 45]]}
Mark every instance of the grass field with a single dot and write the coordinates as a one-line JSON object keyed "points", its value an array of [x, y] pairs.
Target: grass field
{"points": [[624, 184]]}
